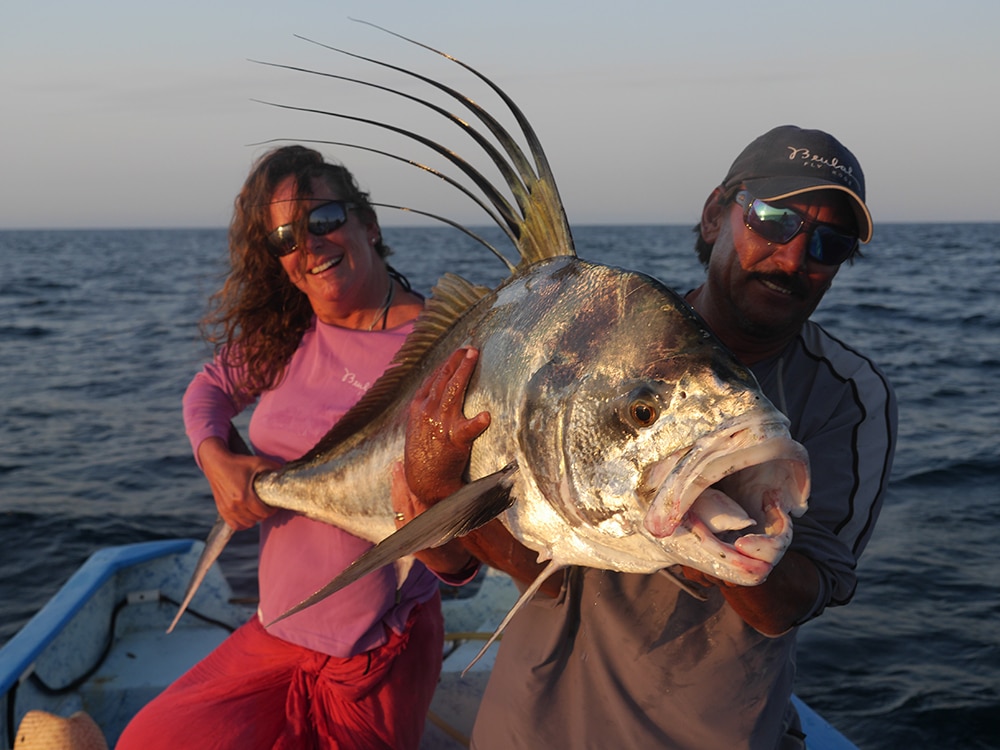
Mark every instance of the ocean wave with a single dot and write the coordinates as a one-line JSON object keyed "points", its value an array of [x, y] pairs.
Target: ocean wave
{"points": [[985, 470], [24, 332]]}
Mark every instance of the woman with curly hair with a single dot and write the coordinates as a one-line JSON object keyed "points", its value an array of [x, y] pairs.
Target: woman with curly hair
{"points": [[307, 319]]}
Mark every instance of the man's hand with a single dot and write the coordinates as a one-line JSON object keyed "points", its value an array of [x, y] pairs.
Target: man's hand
{"points": [[778, 603], [438, 436], [438, 444]]}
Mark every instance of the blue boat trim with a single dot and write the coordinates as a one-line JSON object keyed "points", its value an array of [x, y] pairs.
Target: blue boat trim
{"points": [[819, 732]]}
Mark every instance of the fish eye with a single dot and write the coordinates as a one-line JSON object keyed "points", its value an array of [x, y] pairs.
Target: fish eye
{"points": [[643, 412]]}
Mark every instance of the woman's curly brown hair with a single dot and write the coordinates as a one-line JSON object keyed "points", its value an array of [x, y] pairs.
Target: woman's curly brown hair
{"points": [[257, 319]]}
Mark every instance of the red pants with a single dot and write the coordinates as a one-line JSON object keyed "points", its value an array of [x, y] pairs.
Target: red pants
{"points": [[257, 691]]}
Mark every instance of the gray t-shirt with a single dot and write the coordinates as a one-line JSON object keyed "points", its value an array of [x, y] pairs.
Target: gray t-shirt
{"points": [[622, 661]]}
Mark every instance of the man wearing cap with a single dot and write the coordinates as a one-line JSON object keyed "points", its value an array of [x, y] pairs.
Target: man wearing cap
{"points": [[614, 660]]}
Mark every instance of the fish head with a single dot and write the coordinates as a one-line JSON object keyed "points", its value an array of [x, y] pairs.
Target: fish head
{"points": [[655, 446]]}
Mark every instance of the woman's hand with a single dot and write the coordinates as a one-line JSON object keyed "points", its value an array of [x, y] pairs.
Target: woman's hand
{"points": [[231, 475]]}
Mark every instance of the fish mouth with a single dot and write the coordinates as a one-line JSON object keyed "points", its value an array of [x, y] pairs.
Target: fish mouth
{"points": [[316, 270], [732, 494]]}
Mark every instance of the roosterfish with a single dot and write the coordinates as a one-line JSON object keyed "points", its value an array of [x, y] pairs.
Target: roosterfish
{"points": [[624, 435]]}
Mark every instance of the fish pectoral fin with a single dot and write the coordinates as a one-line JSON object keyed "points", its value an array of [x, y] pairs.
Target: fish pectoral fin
{"points": [[529, 592], [217, 540], [472, 506]]}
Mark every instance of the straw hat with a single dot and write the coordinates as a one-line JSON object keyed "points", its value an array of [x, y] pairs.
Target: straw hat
{"points": [[40, 730]]}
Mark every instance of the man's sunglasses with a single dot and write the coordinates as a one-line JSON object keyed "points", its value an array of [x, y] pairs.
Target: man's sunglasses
{"points": [[321, 221], [780, 225]]}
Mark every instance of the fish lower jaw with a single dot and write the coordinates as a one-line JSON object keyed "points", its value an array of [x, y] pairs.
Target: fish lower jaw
{"points": [[737, 563], [742, 558]]}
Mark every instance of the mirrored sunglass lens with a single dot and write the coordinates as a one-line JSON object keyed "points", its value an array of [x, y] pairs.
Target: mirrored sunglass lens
{"points": [[327, 218], [830, 246], [282, 240], [774, 224]]}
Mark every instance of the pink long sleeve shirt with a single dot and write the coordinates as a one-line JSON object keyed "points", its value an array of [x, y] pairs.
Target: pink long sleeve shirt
{"points": [[329, 372]]}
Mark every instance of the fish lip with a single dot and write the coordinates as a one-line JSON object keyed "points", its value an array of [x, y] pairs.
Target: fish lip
{"points": [[759, 459], [755, 553]]}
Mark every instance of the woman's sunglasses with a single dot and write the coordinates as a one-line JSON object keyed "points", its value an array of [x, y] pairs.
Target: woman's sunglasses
{"points": [[320, 222], [780, 225]]}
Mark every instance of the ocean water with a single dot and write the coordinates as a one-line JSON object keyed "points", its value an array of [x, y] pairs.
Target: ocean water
{"points": [[98, 339]]}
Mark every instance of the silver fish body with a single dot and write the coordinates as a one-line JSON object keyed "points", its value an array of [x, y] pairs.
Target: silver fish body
{"points": [[628, 436], [619, 407]]}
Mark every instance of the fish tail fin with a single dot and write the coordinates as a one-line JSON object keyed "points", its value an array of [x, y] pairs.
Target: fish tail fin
{"points": [[217, 540]]}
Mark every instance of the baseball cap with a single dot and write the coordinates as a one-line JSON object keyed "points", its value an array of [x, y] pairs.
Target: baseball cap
{"points": [[788, 161]]}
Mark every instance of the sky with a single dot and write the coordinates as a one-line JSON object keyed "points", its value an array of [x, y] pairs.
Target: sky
{"points": [[128, 113]]}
